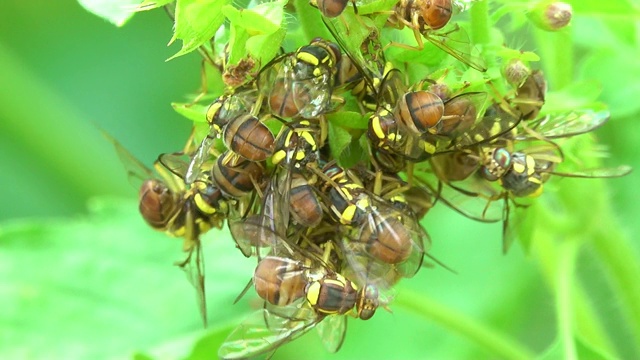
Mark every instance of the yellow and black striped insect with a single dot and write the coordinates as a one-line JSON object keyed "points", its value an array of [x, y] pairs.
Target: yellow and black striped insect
{"points": [[424, 18], [167, 203], [300, 84], [301, 293]]}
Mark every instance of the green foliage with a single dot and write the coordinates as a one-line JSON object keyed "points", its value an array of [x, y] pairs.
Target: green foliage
{"points": [[102, 285], [196, 22], [117, 12]]}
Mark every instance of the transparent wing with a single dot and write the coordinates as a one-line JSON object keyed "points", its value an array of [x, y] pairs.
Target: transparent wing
{"points": [[177, 163], [565, 125], [494, 124], [266, 330], [202, 155], [614, 172], [461, 113], [512, 223], [392, 88], [456, 43], [469, 197], [137, 172], [193, 264], [332, 331], [371, 62]]}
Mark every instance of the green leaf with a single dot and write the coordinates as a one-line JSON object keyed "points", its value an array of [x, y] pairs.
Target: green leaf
{"points": [[118, 12], [339, 138], [584, 351], [196, 23], [193, 112], [237, 43], [376, 6], [101, 285], [349, 119], [265, 18], [353, 154], [266, 47], [152, 4], [258, 32]]}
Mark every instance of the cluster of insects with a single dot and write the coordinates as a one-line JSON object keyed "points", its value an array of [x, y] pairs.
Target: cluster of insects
{"points": [[332, 240]]}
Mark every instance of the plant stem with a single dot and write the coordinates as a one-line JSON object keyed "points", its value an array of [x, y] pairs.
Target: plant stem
{"points": [[558, 49], [487, 338], [617, 257], [480, 28], [567, 252], [585, 319]]}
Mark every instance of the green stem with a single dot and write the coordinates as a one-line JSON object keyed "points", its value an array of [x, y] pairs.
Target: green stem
{"points": [[617, 257], [585, 319], [567, 253], [480, 25], [558, 49], [487, 338]]}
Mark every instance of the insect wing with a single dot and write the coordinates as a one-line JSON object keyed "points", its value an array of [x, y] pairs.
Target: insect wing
{"points": [[267, 329], [565, 125], [456, 43], [271, 73], [137, 172], [461, 113], [469, 197], [514, 218], [493, 125], [193, 264], [332, 331], [177, 163], [392, 88], [615, 172], [370, 67], [194, 168]]}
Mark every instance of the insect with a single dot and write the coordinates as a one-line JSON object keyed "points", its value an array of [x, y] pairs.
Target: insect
{"points": [[168, 205], [300, 293], [377, 239], [301, 83], [424, 17], [488, 183], [248, 137]]}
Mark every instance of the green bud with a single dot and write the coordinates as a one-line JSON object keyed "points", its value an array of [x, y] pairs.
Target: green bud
{"points": [[550, 15], [516, 72]]}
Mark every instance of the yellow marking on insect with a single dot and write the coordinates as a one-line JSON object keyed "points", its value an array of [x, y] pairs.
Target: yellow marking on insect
{"points": [[287, 139], [346, 217], [308, 137], [519, 168], [212, 111], [363, 203], [203, 205], [377, 129], [537, 193], [278, 156], [313, 293], [496, 128], [531, 163], [308, 58], [428, 147], [300, 155]]}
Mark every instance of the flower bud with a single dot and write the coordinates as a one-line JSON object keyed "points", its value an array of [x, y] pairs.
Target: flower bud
{"points": [[551, 15], [516, 72]]}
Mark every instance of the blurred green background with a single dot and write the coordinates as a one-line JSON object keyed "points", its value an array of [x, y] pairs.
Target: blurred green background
{"points": [[81, 276]]}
